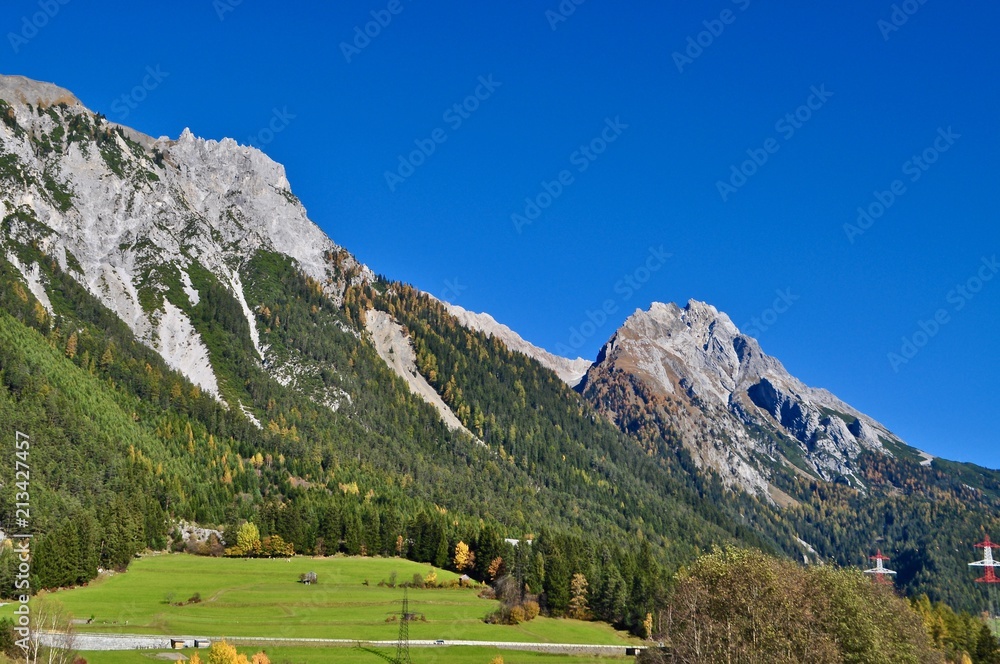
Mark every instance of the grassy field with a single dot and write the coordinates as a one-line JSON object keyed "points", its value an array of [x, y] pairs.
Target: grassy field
{"points": [[350, 656], [243, 597]]}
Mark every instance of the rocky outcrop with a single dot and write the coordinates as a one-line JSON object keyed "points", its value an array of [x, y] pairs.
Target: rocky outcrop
{"points": [[735, 408], [129, 216]]}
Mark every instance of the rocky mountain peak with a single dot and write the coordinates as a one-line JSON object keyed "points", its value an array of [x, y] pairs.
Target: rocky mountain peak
{"points": [[697, 341], [700, 380], [130, 216]]}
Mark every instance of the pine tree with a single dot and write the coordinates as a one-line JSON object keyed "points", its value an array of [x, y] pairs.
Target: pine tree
{"points": [[987, 649], [556, 582], [352, 533], [441, 555]]}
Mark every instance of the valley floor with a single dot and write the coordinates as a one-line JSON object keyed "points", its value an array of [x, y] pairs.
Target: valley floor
{"points": [[349, 656], [183, 595]]}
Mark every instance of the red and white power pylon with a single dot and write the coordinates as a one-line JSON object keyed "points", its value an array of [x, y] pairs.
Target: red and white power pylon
{"points": [[990, 577], [880, 571]]}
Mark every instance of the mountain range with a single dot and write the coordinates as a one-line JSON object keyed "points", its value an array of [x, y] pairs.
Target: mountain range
{"points": [[172, 299]]}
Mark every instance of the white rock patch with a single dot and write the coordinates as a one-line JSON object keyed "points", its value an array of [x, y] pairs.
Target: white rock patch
{"points": [[237, 286], [182, 348], [192, 293]]}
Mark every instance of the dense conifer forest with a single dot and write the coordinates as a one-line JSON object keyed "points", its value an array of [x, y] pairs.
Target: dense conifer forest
{"points": [[339, 456]]}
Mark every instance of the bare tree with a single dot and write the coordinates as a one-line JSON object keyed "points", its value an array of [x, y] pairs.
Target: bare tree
{"points": [[51, 636]]}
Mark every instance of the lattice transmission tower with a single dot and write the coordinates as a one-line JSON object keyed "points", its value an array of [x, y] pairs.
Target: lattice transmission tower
{"points": [[881, 573], [403, 642], [989, 578]]}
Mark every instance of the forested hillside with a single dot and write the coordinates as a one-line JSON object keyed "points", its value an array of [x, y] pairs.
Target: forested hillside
{"points": [[207, 361], [374, 473], [926, 517]]}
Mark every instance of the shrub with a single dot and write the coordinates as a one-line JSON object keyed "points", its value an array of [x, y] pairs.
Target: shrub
{"points": [[214, 546], [816, 615]]}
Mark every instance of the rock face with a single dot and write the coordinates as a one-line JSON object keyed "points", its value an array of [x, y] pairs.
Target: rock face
{"points": [[139, 222], [127, 215], [569, 371], [687, 375]]}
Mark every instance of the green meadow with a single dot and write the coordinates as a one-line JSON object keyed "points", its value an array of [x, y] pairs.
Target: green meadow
{"points": [[445, 655], [263, 598]]}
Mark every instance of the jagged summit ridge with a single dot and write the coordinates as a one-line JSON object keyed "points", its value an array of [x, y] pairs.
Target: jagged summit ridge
{"points": [[569, 371], [718, 391], [128, 215]]}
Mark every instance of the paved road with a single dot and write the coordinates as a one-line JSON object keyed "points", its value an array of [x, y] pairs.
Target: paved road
{"points": [[89, 641]]}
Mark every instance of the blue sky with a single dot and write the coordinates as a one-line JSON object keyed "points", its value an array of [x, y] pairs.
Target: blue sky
{"points": [[624, 126]]}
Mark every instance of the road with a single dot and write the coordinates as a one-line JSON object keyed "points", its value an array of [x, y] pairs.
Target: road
{"points": [[91, 641]]}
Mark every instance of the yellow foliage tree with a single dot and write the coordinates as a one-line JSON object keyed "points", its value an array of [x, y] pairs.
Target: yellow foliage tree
{"points": [[71, 346], [248, 539], [578, 607], [223, 653], [495, 566], [40, 313], [464, 557]]}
